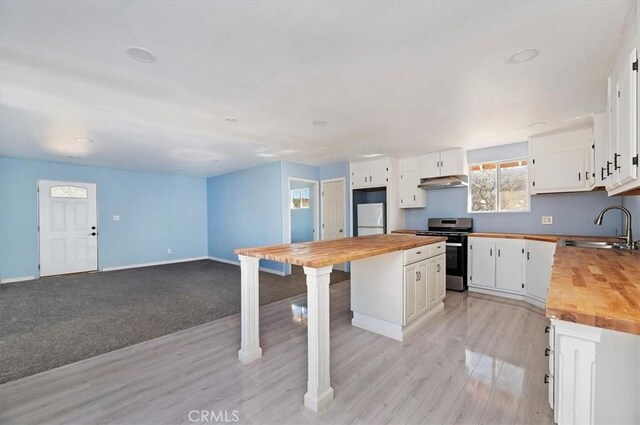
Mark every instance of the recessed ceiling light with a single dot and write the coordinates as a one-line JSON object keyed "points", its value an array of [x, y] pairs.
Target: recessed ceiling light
{"points": [[141, 55], [320, 123], [537, 123], [231, 119], [84, 140], [524, 55], [266, 155], [287, 151], [372, 155]]}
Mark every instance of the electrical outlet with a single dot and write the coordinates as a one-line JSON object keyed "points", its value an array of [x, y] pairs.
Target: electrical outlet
{"points": [[547, 219], [116, 218], [168, 250]]}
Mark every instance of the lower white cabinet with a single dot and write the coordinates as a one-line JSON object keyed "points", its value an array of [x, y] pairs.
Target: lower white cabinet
{"points": [[511, 267], [394, 294], [593, 374], [424, 284], [539, 264]]}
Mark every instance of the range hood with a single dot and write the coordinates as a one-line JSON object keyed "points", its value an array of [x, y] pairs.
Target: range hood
{"points": [[444, 182]]}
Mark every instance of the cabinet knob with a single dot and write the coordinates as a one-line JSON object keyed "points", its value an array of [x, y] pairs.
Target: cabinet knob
{"points": [[546, 378], [546, 352], [547, 329]]}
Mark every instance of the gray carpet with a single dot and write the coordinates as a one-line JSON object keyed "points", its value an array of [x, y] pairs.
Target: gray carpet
{"points": [[55, 321]]}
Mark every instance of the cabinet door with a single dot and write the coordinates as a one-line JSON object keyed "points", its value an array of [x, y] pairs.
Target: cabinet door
{"points": [[452, 162], [421, 286], [562, 171], [538, 264], [359, 176], [509, 265], [431, 282], [430, 165], [483, 262], [441, 279], [626, 121], [410, 302], [601, 147], [409, 196], [378, 173]]}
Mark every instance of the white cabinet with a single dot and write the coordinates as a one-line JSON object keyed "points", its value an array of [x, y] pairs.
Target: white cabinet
{"points": [[436, 280], [430, 165], [483, 262], [411, 196], [539, 263], [452, 162], [623, 124], [424, 284], [561, 162], [374, 173], [602, 170], [509, 265], [410, 293]]}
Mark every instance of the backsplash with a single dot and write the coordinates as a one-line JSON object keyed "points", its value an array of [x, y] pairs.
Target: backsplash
{"points": [[573, 213]]}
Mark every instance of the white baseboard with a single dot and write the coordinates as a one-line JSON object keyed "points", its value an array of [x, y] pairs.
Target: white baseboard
{"points": [[155, 263], [520, 297], [17, 279], [393, 330], [237, 263]]}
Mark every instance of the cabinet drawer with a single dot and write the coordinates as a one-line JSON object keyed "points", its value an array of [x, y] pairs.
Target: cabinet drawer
{"points": [[436, 249], [416, 254]]}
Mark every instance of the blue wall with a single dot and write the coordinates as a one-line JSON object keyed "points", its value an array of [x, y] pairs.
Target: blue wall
{"points": [[157, 211], [302, 218], [633, 204], [245, 210], [573, 213]]}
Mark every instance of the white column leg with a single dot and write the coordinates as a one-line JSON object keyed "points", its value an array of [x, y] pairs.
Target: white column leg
{"points": [[249, 310], [576, 348], [319, 392]]}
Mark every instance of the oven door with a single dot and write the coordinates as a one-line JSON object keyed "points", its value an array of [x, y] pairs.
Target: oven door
{"points": [[456, 261]]}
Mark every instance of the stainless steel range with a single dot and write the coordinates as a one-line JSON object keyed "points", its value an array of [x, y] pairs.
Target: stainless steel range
{"points": [[456, 231]]}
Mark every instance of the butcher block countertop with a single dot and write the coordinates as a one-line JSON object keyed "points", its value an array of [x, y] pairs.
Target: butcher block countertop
{"points": [[596, 287], [326, 253]]}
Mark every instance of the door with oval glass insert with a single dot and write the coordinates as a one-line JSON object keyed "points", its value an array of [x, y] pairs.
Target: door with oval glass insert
{"points": [[67, 219]]}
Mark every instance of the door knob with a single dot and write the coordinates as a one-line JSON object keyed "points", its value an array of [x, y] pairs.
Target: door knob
{"points": [[341, 230]]}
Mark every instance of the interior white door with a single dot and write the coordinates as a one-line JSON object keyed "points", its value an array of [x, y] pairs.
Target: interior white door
{"points": [[68, 227], [333, 212]]}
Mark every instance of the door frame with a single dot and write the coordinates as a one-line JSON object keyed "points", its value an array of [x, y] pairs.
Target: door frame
{"points": [[38, 218], [286, 228]]}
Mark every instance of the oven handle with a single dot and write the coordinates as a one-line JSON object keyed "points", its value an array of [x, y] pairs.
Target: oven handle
{"points": [[453, 244]]}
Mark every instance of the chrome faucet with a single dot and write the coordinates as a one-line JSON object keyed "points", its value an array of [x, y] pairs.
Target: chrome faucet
{"points": [[628, 237]]}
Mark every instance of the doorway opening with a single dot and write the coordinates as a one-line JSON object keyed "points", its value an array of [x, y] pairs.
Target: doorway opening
{"points": [[67, 227], [303, 203]]}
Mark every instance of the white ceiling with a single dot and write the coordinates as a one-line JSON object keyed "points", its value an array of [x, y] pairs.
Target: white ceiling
{"points": [[398, 78]]}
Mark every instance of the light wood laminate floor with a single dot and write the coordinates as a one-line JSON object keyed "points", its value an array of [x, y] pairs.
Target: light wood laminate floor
{"points": [[481, 360]]}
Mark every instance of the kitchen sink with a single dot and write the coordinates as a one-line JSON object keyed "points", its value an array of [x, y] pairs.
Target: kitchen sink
{"points": [[591, 244]]}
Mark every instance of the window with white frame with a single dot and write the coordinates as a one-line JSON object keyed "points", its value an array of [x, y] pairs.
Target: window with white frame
{"points": [[500, 186], [300, 198]]}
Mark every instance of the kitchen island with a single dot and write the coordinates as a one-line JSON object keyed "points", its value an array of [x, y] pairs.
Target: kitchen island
{"points": [[318, 259]]}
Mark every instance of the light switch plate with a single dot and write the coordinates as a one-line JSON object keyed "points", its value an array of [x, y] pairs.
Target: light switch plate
{"points": [[547, 219], [116, 218]]}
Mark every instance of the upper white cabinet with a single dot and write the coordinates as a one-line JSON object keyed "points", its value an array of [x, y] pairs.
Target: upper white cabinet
{"points": [[411, 196], [601, 148], [374, 173], [623, 124], [561, 162], [446, 163]]}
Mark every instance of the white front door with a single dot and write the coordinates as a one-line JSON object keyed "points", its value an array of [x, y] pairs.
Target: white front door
{"points": [[68, 227], [333, 211]]}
